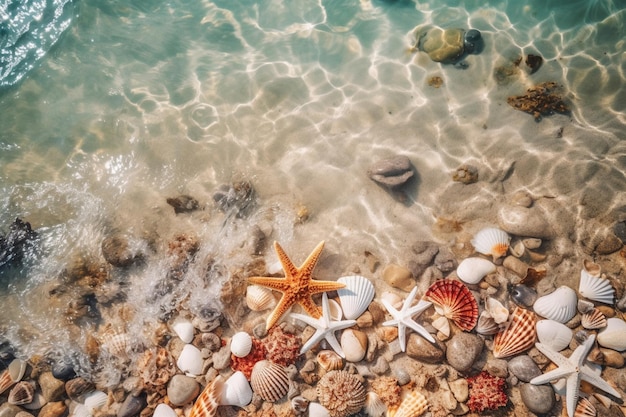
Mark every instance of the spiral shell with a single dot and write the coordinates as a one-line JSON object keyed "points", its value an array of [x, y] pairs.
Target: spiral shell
{"points": [[259, 298], [269, 380], [414, 404], [596, 288], [554, 334], [593, 320], [560, 305], [472, 270], [356, 296], [22, 393], [329, 360], [491, 241], [454, 301], [207, 402], [518, 336]]}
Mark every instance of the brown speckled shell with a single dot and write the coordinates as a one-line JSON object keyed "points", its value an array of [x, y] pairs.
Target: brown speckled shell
{"points": [[456, 301], [269, 380], [518, 336], [207, 402], [330, 360], [341, 393]]}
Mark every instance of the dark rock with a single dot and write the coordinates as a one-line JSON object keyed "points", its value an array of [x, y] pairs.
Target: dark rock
{"points": [[238, 198], [540, 100], [523, 295], [132, 405], [533, 62], [393, 172], [63, 369], [16, 243], [117, 251], [183, 203], [7, 354]]}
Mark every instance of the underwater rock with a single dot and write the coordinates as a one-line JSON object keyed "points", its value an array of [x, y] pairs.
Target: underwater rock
{"points": [[63, 369], [132, 405], [16, 243], [447, 45], [116, 251], [466, 174], [51, 388], [238, 197], [540, 100], [533, 62], [392, 173], [183, 203]]}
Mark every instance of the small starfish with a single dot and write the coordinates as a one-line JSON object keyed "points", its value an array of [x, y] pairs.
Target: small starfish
{"points": [[325, 328], [573, 369], [297, 286], [404, 318]]}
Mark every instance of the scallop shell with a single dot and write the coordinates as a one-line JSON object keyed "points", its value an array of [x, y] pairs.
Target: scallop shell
{"points": [[559, 305], [241, 344], [374, 406], [117, 344], [356, 296], [207, 402], [269, 380], [491, 241], [164, 410], [22, 393], [329, 360], [472, 270], [584, 408], [613, 336], [496, 310], [554, 334], [190, 360], [518, 336], [236, 391], [593, 320], [95, 400], [259, 298], [596, 288], [414, 404], [79, 410], [183, 329], [454, 301], [486, 324]]}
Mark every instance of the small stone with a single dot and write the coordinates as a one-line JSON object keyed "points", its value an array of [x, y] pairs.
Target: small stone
{"points": [[51, 388], [403, 376], [497, 367], [63, 369], [537, 398], [463, 350], [533, 62], [392, 173], [612, 358], [381, 366], [221, 358], [421, 349], [619, 229], [55, 409], [133, 405], [399, 277], [445, 261], [524, 368], [609, 244], [182, 389], [460, 389], [24, 414], [117, 251], [522, 199], [183, 203], [75, 388], [9, 410], [425, 253], [466, 174], [523, 221], [365, 320]]}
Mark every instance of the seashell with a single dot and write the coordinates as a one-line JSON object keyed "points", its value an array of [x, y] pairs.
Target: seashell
{"points": [[518, 336], [335, 310], [613, 336], [79, 410], [77, 387], [95, 400], [341, 392], [269, 380], [517, 248], [491, 241], [585, 306], [164, 410], [486, 324], [532, 243], [241, 344], [559, 305], [22, 393], [414, 404], [596, 288], [523, 295], [584, 408], [236, 391], [329, 360], [442, 324], [472, 270], [318, 410], [207, 402], [593, 320], [183, 329], [554, 334], [496, 310], [374, 406], [592, 268], [356, 296], [12, 374], [354, 344], [117, 344], [190, 360], [454, 301], [259, 298]]}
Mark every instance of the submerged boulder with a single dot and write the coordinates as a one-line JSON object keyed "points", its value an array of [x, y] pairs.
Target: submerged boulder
{"points": [[447, 45]]}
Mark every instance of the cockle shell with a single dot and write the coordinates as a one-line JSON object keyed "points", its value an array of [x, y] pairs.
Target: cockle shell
{"points": [[22, 393], [593, 320], [496, 310], [413, 404], [79, 410], [329, 360], [613, 336], [190, 360], [12, 374], [596, 288], [518, 336], [584, 408], [269, 380], [554, 334], [183, 329], [259, 298], [356, 296], [454, 300], [559, 305], [491, 241], [164, 410], [117, 344], [374, 406], [241, 344], [235, 391], [472, 270], [95, 400], [207, 402]]}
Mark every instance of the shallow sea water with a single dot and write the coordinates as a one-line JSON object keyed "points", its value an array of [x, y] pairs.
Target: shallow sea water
{"points": [[137, 102]]}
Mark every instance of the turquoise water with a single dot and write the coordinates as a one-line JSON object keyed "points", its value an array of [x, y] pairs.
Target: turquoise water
{"points": [[123, 104]]}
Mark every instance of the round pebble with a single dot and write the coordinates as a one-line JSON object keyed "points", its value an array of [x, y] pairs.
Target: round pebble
{"points": [[524, 368], [463, 350], [522, 221], [421, 349], [182, 390], [63, 370], [537, 398], [497, 367], [9, 410]]}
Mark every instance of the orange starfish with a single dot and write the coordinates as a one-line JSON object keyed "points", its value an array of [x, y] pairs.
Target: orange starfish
{"points": [[298, 285]]}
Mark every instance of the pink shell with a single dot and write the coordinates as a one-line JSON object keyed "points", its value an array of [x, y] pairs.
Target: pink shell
{"points": [[518, 336], [456, 302], [206, 404]]}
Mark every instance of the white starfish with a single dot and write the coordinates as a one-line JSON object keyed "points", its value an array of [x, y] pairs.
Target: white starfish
{"points": [[403, 318], [325, 328], [573, 369]]}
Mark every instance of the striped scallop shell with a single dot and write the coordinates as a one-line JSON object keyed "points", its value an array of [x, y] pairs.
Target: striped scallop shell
{"points": [[6, 381], [356, 296], [269, 380], [259, 298], [593, 320], [22, 393], [560, 305], [491, 241], [329, 360], [117, 344], [207, 402], [518, 336], [454, 301], [414, 404], [95, 400], [584, 408], [596, 288]]}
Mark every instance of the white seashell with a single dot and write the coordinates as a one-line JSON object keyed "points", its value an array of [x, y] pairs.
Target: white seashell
{"points": [[117, 344], [336, 313], [491, 241], [164, 410], [472, 270], [554, 334], [184, 329], [596, 288], [559, 305], [496, 310], [392, 298], [486, 324], [259, 298], [532, 243], [517, 248], [374, 406], [356, 296], [318, 410], [190, 360], [95, 400], [442, 324], [354, 345], [236, 391], [12, 374], [79, 410], [613, 336], [241, 344]]}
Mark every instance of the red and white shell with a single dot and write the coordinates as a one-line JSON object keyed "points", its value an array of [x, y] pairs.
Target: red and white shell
{"points": [[518, 336], [207, 402], [455, 301]]}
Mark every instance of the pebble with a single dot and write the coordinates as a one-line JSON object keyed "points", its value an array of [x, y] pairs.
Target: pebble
{"points": [[463, 350], [392, 172], [74, 388], [9, 410], [445, 261], [116, 251], [55, 409], [425, 253], [524, 368], [497, 367], [421, 349], [381, 366], [537, 398], [63, 370], [354, 344], [612, 358], [460, 389], [525, 221], [183, 203], [221, 358], [519, 267], [133, 405], [609, 244], [399, 277], [51, 388], [403, 376], [182, 389]]}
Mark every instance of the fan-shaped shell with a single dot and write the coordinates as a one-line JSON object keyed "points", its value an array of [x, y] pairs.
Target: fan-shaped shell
{"points": [[190, 360], [596, 288], [584, 408], [414, 404], [207, 402], [491, 241], [559, 305], [95, 400], [12, 374], [259, 298], [496, 310], [79, 410], [329, 360], [22, 393], [454, 301], [356, 296], [518, 336], [613, 336], [486, 324], [593, 320], [236, 391], [183, 329], [472, 270], [554, 334], [241, 344], [269, 380], [117, 344], [374, 405]]}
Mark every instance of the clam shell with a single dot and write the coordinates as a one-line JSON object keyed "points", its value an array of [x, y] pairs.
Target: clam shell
{"points": [[354, 344], [207, 402], [259, 298], [454, 301], [559, 305], [269, 380], [613, 336], [491, 241], [593, 320], [413, 404], [329, 360], [584, 408], [22, 393], [236, 391], [472, 270], [596, 288], [190, 360], [374, 406], [318, 410], [356, 296], [518, 336], [496, 310], [554, 334], [164, 410], [486, 324], [183, 329], [95, 400], [241, 344], [335, 310]]}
